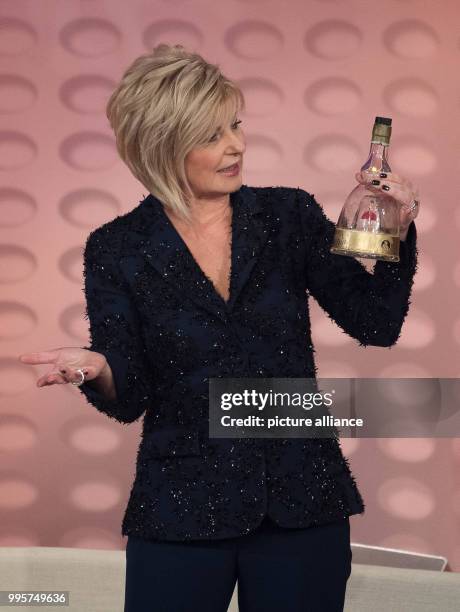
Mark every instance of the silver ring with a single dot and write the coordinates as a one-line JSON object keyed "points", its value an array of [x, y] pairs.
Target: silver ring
{"points": [[80, 382], [414, 205]]}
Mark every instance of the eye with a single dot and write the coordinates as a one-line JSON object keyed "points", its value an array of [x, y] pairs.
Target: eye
{"points": [[235, 125]]}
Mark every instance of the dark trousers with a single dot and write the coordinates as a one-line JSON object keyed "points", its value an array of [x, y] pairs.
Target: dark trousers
{"points": [[277, 569]]}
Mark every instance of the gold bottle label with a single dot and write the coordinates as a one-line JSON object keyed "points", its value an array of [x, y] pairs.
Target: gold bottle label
{"points": [[366, 244]]}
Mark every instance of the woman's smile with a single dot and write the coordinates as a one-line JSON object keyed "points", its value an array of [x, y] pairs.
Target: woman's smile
{"points": [[230, 170]]}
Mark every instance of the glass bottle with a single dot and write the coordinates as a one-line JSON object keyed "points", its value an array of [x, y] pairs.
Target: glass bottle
{"points": [[368, 225]]}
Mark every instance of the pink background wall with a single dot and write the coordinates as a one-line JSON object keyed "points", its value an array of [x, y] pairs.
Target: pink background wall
{"points": [[315, 74]]}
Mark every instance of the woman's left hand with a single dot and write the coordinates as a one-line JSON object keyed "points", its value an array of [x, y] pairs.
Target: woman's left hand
{"points": [[400, 188]]}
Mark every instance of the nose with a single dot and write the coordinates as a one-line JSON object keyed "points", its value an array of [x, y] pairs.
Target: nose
{"points": [[236, 140], [237, 143]]}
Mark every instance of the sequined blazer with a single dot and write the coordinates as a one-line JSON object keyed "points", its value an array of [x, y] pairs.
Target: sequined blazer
{"points": [[165, 331]]}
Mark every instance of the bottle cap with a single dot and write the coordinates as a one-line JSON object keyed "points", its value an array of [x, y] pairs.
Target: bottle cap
{"points": [[381, 131]]}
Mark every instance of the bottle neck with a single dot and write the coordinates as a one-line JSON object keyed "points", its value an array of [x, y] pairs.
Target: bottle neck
{"points": [[378, 158]]}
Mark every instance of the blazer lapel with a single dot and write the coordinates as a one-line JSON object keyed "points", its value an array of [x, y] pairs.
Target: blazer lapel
{"points": [[250, 232], [165, 250]]}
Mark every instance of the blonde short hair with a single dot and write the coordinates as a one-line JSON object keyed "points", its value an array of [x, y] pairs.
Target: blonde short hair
{"points": [[168, 102]]}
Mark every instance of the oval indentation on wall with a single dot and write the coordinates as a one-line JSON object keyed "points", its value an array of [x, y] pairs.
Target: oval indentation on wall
{"points": [[72, 321], [167, 30], [16, 150], [332, 96], [17, 37], [17, 433], [90, 37], [262, 96], [87, 93], [88, 208], [17, 377], [95, 496], [90, 438], [17, 93], [16, 263], [18, 535], [90, 537], [410, 450], [406, 498], [89, 151], [16, 320], [404, 369], [16, 207], [412, 97], [412, 156], [16, 493], [254, 40], [419, 330], [263, 153], [333, 39], [326, 332], [411, 39], [333, 153], [70, 264], [426, 272]]}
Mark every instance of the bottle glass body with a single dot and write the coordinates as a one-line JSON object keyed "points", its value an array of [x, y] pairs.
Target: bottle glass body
{"points": [[368, 225]]}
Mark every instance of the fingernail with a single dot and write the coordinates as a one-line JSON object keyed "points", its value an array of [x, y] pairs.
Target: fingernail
{"points": [[385, 187], [375, 182], [383, 175], [62, 371]]}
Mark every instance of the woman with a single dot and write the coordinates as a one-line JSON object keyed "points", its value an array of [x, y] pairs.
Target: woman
{"points": [[209, 278]]}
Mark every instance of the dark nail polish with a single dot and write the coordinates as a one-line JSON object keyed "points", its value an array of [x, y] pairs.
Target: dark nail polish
{"points": [[383, 175], [375, 182], [385, 187], [62, 371]]}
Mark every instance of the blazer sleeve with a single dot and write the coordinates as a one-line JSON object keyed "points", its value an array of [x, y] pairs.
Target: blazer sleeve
{"points": [[114, 332], [370, 307]]}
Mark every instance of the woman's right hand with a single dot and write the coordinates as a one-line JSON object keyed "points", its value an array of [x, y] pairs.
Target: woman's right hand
{"points": [[65, 362]]}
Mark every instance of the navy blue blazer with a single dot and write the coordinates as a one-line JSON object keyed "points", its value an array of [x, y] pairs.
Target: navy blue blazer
{"points": [[165, 331]]}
